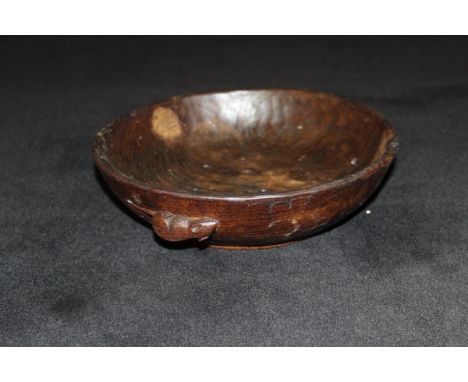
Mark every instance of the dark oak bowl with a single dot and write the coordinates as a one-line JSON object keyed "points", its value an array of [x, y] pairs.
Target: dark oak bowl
{"points": [[245, 168]]}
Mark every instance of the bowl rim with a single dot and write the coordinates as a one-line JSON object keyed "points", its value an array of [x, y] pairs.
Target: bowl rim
{"points": [[383, 161]]}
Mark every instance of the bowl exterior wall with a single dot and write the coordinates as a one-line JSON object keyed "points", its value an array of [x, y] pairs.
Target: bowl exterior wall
{"points": [[256, 221]]}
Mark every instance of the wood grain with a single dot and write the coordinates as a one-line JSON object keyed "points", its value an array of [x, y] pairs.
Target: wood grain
{"points": [[258, 167]]}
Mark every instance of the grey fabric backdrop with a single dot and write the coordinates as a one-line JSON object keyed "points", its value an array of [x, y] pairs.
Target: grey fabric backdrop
{"points": [[77, 269]]}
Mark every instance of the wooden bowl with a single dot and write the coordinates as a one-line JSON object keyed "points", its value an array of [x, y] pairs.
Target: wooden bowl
{"points": [[248, 167]]}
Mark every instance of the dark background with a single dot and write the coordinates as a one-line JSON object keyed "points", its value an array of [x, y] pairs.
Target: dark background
{"points": [[76, 269]]}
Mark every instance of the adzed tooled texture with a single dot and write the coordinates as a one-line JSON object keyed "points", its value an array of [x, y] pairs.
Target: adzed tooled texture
{"points": [[268, 166]]}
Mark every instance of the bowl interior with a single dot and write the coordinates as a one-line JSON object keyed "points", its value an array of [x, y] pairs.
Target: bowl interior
{"points": [[245, 142]]}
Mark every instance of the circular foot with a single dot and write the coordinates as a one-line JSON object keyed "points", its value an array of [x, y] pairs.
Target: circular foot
{"points": [[250, 247]]}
